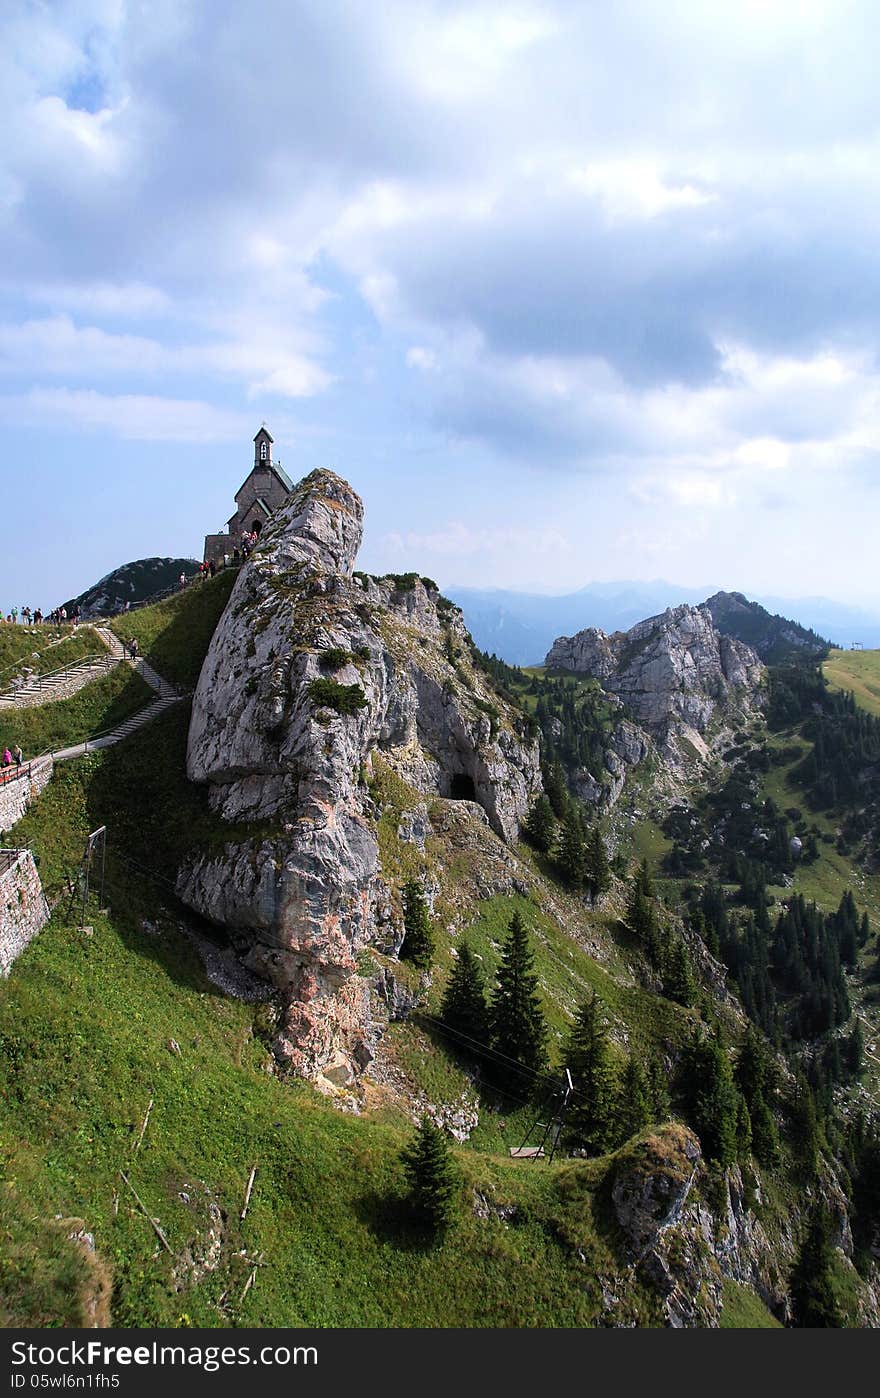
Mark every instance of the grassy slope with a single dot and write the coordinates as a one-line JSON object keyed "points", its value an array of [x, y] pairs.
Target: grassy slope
{"points": [[95, 708], [743, 1310], [173, 635], [858, 671], [85, 1022], [44, 649]]}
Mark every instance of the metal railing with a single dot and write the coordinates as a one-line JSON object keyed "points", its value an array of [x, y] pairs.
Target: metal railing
{"points": [[14, 772], [8, 857], [104, 662]]}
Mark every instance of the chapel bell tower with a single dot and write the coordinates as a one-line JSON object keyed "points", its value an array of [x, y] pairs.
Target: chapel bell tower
{"points": [[262, 450]]}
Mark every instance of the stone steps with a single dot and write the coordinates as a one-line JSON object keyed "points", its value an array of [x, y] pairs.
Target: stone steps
{"points": [[60, 685], [116, 735]]}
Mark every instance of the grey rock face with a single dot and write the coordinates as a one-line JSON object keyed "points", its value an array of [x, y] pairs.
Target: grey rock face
{"points": [[674, 672], [300, 640]]}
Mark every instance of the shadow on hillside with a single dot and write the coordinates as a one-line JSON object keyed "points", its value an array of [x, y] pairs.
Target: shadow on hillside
{"points": [[388, 1218], [175, 635]]}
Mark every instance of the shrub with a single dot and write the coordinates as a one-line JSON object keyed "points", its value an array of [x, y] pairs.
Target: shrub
{"points": [[344, 698], [333, 658]]}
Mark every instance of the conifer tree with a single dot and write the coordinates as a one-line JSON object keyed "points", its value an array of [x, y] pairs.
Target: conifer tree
{"points": [[418, 939], [712, 1097], [516, 1020], [540, 825], [805, 1129], [812, 1290], [598, 870], [635, 1109], [432, 1177], [571, 857], [743, 1130], [464, 1007], [679, 983], [658, 1090], [590, 1123]]}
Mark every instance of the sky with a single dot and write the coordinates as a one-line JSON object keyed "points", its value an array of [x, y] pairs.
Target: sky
{"points": [[568, 291]]}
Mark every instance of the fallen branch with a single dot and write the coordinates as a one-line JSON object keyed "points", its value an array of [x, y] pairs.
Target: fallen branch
{"points": [[143, 1208], [248, 1284], [143, 1128], [247, 1197]]}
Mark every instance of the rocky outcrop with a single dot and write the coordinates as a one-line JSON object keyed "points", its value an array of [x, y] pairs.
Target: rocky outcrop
{"points": [[675, 673], [773, 638], [313, 671]]}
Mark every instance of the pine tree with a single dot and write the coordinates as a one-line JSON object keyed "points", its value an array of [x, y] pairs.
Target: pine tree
{"points": [[635, 1109], [743, 1130], [658, 1090], [516, 1020], [571, 857], [812, 1290], [598, 870], [540, 825], [805, 1129], [464, 1006], [431, 1176], [590, 1123], [679, 983], [712, 1098], [418, 939]]}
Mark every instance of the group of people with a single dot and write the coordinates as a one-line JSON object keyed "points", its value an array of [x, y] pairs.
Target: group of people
{"points": [[33, 616], [240, 552], [12, 756]]}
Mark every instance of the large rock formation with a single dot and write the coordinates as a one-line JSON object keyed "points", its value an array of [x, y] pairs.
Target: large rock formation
{"points": [[312, 672], [675, 673]]}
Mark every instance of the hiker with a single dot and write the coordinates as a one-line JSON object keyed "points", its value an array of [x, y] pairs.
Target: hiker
{"points": [[7, 758], [226, 560], [181, 581], [17, 754], [212, 567], [133, 648]]}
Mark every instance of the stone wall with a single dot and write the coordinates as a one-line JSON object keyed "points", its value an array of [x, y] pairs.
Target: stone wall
{"points": [[16, 794], [23, 907]]}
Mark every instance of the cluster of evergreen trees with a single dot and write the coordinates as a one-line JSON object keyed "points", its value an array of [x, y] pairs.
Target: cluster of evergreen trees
{"points": [[790, 974], [576, 850], [664, 950], [840, 768], [506, 1031]]}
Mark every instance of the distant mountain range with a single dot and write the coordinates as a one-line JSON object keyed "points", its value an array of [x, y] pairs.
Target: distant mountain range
{"points": [[520, 627]]}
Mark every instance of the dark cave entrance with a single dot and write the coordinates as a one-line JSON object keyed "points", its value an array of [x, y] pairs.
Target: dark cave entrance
{"points": [[462, 788]]}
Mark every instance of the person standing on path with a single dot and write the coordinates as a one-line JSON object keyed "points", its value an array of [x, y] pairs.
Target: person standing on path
{"points": [[17, 754], [7, 758]]}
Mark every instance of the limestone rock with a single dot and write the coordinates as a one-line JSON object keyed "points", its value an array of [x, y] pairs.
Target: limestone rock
{"points": [[678, 677], [311, 675]]}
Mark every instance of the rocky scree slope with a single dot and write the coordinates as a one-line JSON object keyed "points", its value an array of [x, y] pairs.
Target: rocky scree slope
{"points": [[310, 673], [681, 680]]}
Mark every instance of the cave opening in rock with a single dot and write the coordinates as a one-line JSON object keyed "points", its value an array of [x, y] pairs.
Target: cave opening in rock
{"points": [[462, 788]]}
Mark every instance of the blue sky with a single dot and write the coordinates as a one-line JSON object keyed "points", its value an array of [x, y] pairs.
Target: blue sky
{"points": [[568, 291]]}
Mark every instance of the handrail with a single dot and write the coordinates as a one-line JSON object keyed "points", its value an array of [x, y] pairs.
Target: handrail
{"points": [[9, 857], [105, 659], [14, 773], [57, 641]]}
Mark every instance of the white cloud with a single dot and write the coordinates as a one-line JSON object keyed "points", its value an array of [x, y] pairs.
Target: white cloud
{"points": [[133, 417]]}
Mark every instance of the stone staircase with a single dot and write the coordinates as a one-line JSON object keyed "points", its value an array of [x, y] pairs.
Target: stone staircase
{"points": [[61, 684], [116, 735]]}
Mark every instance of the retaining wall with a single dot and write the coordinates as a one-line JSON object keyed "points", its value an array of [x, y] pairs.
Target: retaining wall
{"points": [[16, 794], [23, 907]]}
